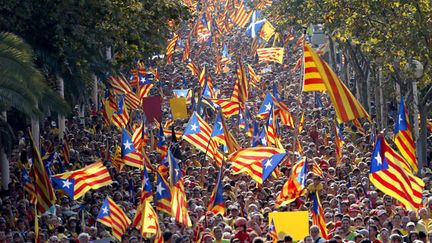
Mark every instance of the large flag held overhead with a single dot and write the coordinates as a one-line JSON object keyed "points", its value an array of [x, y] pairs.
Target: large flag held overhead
{"points": [[241, 87], [255, 24], [45, 196], [389, 174], [403, 137], [198, 133], [171, 47], [229, 108], [222, 135], [319, 77], [111, 215], [271, 54], [257, 162], [318, 216], [163, 195], [242, 16], [146, 221], [78, 182]]}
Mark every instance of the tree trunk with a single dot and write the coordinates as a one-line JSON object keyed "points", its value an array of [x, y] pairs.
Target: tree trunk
{"points": [[5, 172], [332, 57], [95, 92], [61, 118], [35, 131], [382, 101]]}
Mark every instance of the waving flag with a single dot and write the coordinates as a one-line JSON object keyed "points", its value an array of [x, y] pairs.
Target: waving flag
{"points": [[266, 106], [241, 87], [28, 185], [120, 118], [270, 164], [117, 161], [161, 144], [77, 183], [216, 202], [256, 138], [301, 123], [195, 70], [229, 108], [267, 31], [145, 85], [221, 134], [255, 24], [254, 78], [270, 128], [140, 136], [198, 133], [347, 107], [295, 185], [171, 48], [318, 216], [242, 16], [250, 161], [390, 173], [45, 196], [271, 54], [146, 221], [338, 144], [130, 155], [65, 149], [111, 215], [163, 195], [403, 137]]}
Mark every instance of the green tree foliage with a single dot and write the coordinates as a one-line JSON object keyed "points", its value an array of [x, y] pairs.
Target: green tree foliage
{"points": [[70, 37]]}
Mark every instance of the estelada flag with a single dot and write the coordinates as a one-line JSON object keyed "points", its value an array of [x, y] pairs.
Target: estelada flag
{"points": [[178, 108], [152, 107]]}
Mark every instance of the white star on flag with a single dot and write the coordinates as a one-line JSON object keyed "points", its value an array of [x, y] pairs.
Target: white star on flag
{"points": [[267, 107], [194, 127], [66, 184], [105, 210], [127, 145], [378, 159], [160, 188], [268, 163]]}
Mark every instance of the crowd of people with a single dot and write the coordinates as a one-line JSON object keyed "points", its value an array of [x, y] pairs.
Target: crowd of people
{"points": [[354, 210]]}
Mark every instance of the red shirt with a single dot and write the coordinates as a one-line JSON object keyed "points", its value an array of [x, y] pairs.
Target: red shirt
{"points": [[243, 237]]}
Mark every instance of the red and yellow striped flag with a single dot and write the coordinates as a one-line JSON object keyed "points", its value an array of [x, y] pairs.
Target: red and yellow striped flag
{"points": [[254, 78], [347, 107], [171, 47], [242, 16], [111, 215], [229, 108], [45, 196], [93, 176], [272, 54], [240, 93]]}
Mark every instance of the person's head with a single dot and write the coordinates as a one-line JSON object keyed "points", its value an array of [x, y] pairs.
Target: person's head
{"points": [[410, 226], [83, 238], [53, 239], [288, 239], [395, 238], [217, 232], [358, 238], [412, 236], [308, 239], [314, 231]]}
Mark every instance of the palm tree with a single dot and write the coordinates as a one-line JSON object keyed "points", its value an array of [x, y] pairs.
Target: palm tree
{"points": [[22, 87]]}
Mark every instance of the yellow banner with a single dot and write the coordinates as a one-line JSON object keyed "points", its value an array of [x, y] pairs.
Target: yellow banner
{"points": [[295, 224], [178, 107]]}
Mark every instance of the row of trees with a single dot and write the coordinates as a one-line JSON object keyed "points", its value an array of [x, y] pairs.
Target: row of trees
{"points": [[382, 43], [51, 51]]}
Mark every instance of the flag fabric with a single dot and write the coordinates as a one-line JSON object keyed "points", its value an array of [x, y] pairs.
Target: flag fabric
{"points": [[116, 160], [347, 107], [193, 68], [163, 195], [28, 185], [111, 215], [255, 24], [229, 108], [202, 78], [270, 164], [76, 183], [403, 137], [242, 16], [338, 144], [389, 174], [198, 133], [254, 78], [178, 194], [65, 149], [161, 142], [216, 201], [294, 187], [130, 155], [221, 134], [301, 123], [241, 87], [45, 196], [250, 161], [145, 85], [120, 118], [272, 232], [270, 127], [140, 137], [256, 138], [271, 54], [146, 221], [171, 47], [318, 216], [267, 31]]}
